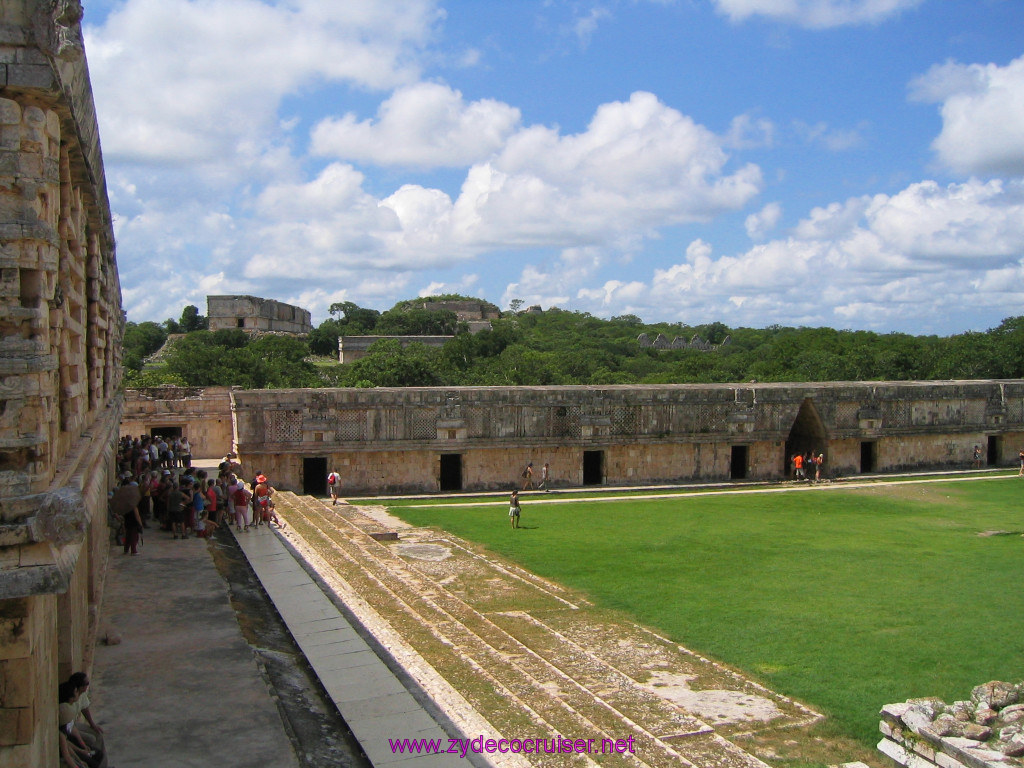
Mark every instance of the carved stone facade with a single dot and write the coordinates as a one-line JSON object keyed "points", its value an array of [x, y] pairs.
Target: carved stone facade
{"points": [[60, 367], [250, 313], [477, 438]]}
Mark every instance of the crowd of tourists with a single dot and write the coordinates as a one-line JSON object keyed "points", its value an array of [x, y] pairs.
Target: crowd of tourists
{"points": [[807, 466], [158, 488]]}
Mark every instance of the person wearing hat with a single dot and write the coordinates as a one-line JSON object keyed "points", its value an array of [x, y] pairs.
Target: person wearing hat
{"points": [[262, 491]]}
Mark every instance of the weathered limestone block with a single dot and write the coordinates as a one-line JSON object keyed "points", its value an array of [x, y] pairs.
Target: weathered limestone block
{"points": [[925, 732], [17, 685], [996, 694]]}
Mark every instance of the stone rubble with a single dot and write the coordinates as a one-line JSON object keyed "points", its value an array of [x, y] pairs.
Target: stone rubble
{"points": [[986, 731]]}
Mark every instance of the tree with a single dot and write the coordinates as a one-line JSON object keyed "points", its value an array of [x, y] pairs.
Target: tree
{"points": [[323, 340], [387, 364], [416, 322], [191, 320], [357, 321], [140, 341]]}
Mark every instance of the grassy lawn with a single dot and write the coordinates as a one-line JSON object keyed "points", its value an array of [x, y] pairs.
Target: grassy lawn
{"points": [[847, 600]]}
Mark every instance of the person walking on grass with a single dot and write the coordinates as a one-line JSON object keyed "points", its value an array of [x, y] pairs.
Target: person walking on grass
{"points": [[513, 509]]}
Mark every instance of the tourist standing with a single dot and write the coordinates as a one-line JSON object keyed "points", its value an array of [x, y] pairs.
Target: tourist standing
{"points": [[240, 498], [514, 509]]}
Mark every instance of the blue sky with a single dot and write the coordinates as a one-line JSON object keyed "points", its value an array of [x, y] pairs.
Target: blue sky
{"points": [[844, 163]]}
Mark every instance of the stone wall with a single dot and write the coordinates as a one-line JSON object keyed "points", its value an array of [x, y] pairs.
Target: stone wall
{"points": [[250, 313], [393, 440], [201, 414], [352, 348], [986, 731], [464, 310], [61, 322]]}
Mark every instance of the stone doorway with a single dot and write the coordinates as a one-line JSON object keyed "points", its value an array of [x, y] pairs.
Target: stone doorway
{"points": [[738, 463], [994, 450], [593, 467], [806, 436], [450, 477], [867, 457], [314, 476]]}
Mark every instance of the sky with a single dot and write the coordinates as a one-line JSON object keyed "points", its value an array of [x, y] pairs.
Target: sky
{"points": [[844, 163]]}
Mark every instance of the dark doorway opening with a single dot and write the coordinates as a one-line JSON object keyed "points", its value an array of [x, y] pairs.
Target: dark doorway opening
{"points": [[165, 431], [451, 472], [994, 449], [593, 467], [314, 476], [806, 436], [867, 457], [738, 463]]}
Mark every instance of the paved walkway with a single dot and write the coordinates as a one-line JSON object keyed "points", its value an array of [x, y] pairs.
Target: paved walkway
{"points": [[375, 703], [182, 688]]}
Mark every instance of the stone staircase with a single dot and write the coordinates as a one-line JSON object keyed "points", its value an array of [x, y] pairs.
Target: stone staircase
{"points": [[533, 659]]}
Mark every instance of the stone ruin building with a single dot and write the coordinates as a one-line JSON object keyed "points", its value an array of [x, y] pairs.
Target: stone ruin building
{"points": [[696, 342], [253, 314], [60, 370], [429, 439], [352, 348], [477, 316], [61, 408]]}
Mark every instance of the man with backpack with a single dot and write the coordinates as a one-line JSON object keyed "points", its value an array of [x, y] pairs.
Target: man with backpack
{"points": [[333, 481]]}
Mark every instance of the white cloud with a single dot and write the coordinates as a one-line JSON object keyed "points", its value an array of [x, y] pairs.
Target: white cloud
{"points": [[639, 165], [816, 14], [924, 255], [426, 125], [747, 132], [585, 26], [759, 224], [833, 139], [465, 285], [184, 81], [982, 116]]}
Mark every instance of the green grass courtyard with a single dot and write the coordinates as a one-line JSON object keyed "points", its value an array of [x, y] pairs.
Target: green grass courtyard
{"points": [[844, 599]]}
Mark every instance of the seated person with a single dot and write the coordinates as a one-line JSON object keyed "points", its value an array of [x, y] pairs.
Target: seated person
{"points": [[205, 527], [74, 751], [89, 730]]}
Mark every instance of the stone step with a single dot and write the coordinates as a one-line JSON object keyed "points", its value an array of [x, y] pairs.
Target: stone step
{"points": [[528, 708], [541, 672]]}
